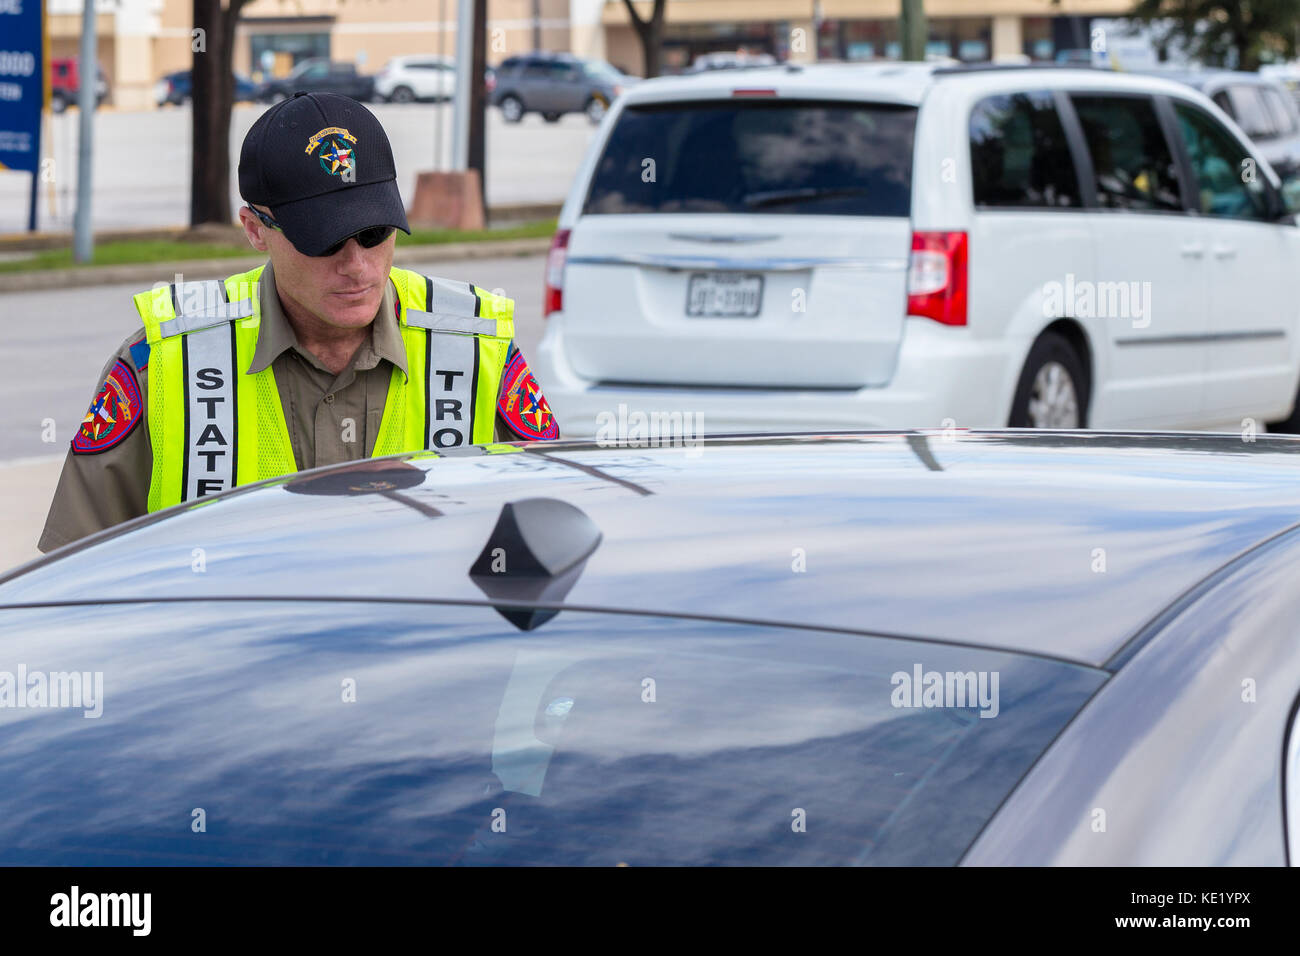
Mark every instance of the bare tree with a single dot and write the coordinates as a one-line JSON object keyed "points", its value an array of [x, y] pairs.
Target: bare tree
{"points": [[650, 33], [213, 97]]}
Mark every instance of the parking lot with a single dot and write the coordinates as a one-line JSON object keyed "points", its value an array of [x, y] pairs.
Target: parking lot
{"points": [[142, 162]]}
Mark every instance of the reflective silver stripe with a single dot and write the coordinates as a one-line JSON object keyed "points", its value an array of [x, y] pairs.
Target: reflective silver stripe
{"points": [[209, 363], [218, 315], [453, 376], [454, 298], [446, 322]]}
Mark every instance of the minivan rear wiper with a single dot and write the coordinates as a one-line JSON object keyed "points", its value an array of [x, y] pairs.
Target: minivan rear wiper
{"points": [[777, 197]]}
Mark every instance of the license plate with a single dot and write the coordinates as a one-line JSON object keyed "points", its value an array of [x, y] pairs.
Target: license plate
{"points": [[725, 294]]}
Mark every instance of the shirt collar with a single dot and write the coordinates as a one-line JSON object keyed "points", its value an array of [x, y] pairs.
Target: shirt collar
{"points": [[275, 335]]}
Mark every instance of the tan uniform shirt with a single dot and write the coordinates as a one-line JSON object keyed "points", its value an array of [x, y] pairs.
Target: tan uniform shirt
{"points": [[101, 489]]}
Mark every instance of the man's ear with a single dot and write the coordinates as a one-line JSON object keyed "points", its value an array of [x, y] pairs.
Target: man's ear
{"points": [[252, 229]]}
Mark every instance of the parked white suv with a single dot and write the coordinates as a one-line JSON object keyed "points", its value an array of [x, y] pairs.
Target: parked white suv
{"points": [[902, 245], [405, 79]]}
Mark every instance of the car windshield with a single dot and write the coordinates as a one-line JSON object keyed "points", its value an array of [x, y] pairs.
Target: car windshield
{"points": [[852, 159], [590, 739], [600, 70]]}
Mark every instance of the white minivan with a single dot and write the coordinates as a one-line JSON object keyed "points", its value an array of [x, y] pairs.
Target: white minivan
{"points": [[904, 245]]}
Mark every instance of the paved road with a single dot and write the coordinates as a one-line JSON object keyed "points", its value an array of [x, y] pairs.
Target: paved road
{"points": [[142, 167]]}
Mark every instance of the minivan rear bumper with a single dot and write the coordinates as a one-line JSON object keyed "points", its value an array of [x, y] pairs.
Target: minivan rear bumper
{"points": [[942, 373]]}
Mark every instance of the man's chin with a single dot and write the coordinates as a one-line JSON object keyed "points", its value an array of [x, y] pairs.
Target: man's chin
{"points": [[350, 312]]}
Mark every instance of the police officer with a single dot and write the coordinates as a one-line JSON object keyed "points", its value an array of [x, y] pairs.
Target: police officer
{"points": [[327, 353]]}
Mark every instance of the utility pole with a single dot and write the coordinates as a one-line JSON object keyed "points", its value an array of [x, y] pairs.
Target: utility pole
{"points": [[83, 241], [476, 156], [437, 109], [460, 109]]}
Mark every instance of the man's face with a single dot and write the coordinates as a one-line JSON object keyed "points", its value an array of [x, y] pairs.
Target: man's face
{"points": [[343, 290]]}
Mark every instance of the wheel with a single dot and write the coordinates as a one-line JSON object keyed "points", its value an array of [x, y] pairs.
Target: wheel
{"points": [[1287, 426], [1053, 387], [278, 96], [58, 104], [402, 94], [595, 109], [512, 109], [551, 117]]}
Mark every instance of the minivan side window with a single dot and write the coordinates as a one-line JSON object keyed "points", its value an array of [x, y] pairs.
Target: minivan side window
{"points": [[1019, 155], [1131, 161], [1218, 163]]}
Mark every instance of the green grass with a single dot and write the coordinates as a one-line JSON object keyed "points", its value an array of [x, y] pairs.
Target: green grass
{"points": [[529, 230], [137, 251], [121, 253]]}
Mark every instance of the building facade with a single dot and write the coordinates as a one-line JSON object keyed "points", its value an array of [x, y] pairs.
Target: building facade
{"points": [[804, 30], [142, 40]]}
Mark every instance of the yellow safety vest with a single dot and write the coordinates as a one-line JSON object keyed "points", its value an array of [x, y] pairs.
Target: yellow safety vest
{"points": [[213, 426]]}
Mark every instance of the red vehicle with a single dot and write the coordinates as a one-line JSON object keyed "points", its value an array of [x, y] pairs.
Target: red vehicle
{"points": [[65, 84]]}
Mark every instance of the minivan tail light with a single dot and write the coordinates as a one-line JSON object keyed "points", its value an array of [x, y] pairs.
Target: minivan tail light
{"points": [[553, 293], [936, 277]]}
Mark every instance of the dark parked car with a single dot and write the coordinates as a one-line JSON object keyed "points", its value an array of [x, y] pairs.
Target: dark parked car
{"points": [[65, 84], [174, 89], [318, 75], [554, 84], [906, 648]]}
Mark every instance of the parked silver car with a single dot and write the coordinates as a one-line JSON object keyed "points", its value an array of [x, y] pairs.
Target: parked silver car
{"points": [[916, 648], [554, 84]]}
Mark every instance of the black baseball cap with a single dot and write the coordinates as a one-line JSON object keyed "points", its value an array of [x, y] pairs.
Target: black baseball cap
{"points": [[323, 165]]}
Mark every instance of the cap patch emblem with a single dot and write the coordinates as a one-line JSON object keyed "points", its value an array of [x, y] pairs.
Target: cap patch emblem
{"points": [[337, 155]]}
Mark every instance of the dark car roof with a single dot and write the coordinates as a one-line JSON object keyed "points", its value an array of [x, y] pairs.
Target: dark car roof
{"points": [[1061, 544]]}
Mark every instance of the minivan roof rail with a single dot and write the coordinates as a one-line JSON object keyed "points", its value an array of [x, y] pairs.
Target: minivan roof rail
{"points": [[1001, 67]]}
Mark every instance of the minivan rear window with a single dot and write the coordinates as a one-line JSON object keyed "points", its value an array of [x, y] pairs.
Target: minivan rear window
{"points": [[775, 156]]}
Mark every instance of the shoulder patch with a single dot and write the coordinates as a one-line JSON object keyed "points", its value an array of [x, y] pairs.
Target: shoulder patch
{"points": [[114, 412], [522, 405]]}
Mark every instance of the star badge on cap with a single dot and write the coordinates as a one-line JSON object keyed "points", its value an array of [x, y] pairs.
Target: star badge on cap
{"points": [[336, 154]]}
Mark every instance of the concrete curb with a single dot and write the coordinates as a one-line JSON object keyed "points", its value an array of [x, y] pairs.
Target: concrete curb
{"points": [[146, 274]]}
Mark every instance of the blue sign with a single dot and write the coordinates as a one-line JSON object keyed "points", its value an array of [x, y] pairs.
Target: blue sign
{"points": [[22, 84]]}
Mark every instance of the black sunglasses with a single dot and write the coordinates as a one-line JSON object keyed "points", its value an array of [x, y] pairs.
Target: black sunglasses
{"points": [[367, 238]]}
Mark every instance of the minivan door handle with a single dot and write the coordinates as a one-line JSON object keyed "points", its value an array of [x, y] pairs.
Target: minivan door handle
{"points": [[1224, 252], [1192, 250]]}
